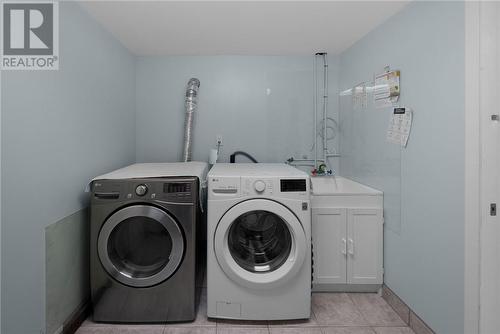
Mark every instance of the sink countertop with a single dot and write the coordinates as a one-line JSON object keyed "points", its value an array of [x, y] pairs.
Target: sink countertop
{"points": [[339, 186]]}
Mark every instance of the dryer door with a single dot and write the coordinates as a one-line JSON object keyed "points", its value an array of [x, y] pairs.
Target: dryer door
{"points": [[260, 243], [140, 245]]}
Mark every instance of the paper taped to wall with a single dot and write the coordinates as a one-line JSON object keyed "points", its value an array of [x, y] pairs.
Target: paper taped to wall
{"points": [[400, 126]]}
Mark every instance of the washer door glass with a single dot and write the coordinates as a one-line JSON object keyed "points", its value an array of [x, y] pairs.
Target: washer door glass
{"points": [[140, 245], [259, 241]]}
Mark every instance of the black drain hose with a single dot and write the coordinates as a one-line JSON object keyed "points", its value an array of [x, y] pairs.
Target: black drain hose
{"points": [[232, 157]]}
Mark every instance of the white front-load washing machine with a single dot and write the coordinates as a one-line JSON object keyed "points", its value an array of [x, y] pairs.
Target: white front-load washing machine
{"points": [[259, 242]]}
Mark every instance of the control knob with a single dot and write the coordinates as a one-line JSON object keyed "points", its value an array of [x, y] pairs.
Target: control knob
{"points": [[141, 190], [259, 186]]}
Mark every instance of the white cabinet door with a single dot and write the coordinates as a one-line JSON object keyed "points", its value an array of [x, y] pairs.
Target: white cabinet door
{"points": [[364, 246], [329, 245]]}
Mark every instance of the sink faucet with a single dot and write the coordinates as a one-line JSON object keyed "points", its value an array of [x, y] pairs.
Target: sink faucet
{"points": [[322, 171]]}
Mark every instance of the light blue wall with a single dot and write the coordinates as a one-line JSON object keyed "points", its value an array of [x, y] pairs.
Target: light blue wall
{"points": [[233, 102], [59, 129], [424, 255]]}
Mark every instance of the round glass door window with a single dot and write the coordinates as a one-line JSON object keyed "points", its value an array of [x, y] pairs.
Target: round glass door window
{"points": [[259, 241], [140, 246]]}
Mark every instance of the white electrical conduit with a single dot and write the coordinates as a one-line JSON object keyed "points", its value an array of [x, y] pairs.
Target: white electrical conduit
{"points": [[325, 106], [315, 113]]}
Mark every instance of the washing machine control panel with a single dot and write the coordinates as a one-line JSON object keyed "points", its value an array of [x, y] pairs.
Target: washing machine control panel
{"points": [[257, 186], [280, 187], [293, 185], [224, 187]]}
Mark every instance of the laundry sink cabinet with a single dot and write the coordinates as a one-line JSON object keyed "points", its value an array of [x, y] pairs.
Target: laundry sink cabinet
{"points": [[347, 235]]}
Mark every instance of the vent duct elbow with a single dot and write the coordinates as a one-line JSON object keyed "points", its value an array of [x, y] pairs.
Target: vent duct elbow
{"points": [[190, 106]]}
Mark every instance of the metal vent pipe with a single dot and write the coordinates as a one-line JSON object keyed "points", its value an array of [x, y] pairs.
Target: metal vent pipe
{"points": [[190, 105]]}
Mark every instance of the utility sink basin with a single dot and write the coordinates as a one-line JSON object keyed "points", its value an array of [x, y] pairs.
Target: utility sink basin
{"points": [[337, 191], [337, 185]]}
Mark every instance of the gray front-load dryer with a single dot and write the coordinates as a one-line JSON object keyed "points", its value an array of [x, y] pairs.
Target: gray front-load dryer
{"points": [[143, 238]]}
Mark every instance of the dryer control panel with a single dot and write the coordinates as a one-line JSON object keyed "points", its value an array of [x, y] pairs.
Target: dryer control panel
{"points": [[173, 189]]}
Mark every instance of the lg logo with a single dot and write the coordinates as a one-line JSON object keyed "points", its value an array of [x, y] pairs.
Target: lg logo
{"points": [[29, 29]]}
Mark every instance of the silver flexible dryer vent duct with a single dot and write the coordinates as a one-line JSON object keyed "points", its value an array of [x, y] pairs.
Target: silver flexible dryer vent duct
{"points": [[191, 105]]}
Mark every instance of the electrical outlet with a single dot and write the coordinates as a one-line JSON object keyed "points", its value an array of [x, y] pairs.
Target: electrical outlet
{"points": [[218, 139]]}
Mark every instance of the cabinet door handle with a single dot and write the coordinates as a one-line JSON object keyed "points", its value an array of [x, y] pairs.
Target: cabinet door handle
{"points": [[344, 247], [351, 246]]}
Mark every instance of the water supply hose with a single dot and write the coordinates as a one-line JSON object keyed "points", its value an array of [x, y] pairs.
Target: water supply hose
{"points": [[232, 157]]}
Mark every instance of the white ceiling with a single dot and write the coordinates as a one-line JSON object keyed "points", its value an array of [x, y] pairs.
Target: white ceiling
{"points": [[240, 27]]}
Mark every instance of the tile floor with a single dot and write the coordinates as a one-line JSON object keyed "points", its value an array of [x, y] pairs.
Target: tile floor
{"points": [[332, 313]]}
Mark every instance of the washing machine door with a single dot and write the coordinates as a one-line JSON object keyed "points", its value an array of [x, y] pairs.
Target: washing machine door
{"points": [[260, 243], [140, 245]]}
